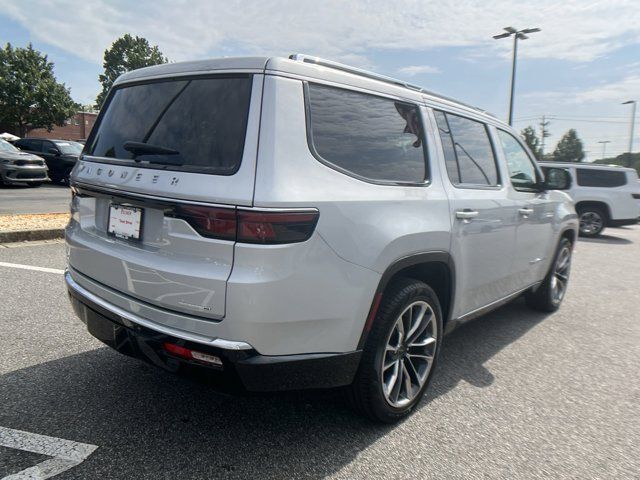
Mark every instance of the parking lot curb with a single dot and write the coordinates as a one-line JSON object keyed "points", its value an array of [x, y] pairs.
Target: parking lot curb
{"points": [[31, 235]]}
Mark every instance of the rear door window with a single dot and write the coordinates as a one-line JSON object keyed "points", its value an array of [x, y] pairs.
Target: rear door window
{"points": [[366, 136], [593, 177], [199, 123], [31, 145], [468, 152]]}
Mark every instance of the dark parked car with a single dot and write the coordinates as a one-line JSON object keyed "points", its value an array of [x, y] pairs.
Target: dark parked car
{"points": [[60, 155], [17, 167]]}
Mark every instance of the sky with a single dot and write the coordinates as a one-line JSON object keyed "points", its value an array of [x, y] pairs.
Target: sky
{"points": [[577, 71]]}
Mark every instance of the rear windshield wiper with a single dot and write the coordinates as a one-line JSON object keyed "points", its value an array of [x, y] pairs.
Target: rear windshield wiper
{"points": [[139, 148]]}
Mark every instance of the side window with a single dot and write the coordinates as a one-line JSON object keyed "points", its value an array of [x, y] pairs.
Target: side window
{"points": [[521, 168], [600, 178], [448, 147], [368, 136], [469, 141], [48, 145], [32, 145]]}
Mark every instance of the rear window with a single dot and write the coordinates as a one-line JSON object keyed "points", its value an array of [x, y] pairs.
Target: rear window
{"points": [[200, 123], [600, 178], [370, 137]]}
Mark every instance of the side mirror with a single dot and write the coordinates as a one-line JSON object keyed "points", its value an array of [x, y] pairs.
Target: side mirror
{"points": [[53, 151], [557, 179]]}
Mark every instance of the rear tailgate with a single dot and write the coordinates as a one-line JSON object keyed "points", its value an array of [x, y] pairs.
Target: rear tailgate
{"points": [[133, 225]]}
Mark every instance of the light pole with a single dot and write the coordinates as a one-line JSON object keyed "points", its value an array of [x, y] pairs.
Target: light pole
{"points": [[517, 35], [633, 126], [604, 147]]}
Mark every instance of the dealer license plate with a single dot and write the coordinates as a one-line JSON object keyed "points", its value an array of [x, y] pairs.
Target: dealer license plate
{"points": [[125, 221]]}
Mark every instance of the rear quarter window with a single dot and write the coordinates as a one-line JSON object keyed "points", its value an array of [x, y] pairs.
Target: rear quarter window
{"points": [[203, 119], [600, 178], [366, 136]]}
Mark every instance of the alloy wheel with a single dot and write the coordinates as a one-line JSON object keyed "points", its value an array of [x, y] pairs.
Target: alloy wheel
{"points": [[591, 223], [409, 354], [560, 277]]}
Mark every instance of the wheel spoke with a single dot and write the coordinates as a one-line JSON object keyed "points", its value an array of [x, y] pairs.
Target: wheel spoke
{"points": [[399, 377], [393, 379], [416, 320], [390, 364], [423, 343], [413, 372], [407, 382], [400, 327], [422, 326]]}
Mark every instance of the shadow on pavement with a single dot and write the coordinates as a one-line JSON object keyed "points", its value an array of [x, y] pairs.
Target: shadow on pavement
{"points": [[148, 423], [607, 239]]}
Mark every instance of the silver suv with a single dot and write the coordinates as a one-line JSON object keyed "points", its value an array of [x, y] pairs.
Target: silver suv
{"points": [[297, 223]]}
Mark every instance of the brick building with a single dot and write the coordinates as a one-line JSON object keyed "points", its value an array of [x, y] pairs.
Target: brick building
{"points": [[76, 128]]}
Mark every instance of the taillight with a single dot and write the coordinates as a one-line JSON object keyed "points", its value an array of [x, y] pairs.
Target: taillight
{"points": [[209, 222], [249, 226], [275, 227]]}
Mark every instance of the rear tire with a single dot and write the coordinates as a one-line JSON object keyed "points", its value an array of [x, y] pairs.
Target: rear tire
{"points": [[404, 341], [550, 293], [592, 221]]}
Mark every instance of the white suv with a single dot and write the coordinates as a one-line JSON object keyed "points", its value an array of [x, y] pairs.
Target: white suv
{"points": [[296, 223], [604, 195]]}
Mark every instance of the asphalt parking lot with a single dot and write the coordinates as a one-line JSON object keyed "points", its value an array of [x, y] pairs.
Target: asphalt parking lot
{"points": [[47, 198], [517, 395]]}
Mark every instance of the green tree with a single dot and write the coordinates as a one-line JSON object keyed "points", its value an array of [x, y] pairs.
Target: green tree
{"points": [[531, 139], [569, 148], [126, 53], [30, 95]]}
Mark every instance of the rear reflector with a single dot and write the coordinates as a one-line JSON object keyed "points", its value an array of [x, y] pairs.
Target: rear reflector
{"points": [[193, 355], [248, 226]]}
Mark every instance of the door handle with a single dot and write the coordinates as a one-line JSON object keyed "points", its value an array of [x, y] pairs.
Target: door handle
{"points": [[466, 214], [525, 211]]}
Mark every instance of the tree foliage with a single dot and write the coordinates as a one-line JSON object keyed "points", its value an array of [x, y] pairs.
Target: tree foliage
{"points": [[569, 148], [531, 139], [30, 95], [126, 53]]}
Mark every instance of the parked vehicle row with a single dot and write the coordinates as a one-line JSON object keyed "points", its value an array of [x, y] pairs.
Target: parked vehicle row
{"points": [[33, 161], [60, 155], [298, 223]]}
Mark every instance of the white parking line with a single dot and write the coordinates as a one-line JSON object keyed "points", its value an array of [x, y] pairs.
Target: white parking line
{"points": [[66, 453], [31, 267]]}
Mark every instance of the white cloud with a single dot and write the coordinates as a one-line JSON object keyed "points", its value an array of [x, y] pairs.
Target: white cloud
{"points": [[412, 70], [611, 93], [186, 29]]}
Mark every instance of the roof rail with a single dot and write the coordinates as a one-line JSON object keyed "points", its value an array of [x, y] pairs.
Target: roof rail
{"points": [[300, 57]]}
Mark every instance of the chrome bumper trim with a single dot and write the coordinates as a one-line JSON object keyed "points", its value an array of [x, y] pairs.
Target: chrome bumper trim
{"points": [[132, 317]]}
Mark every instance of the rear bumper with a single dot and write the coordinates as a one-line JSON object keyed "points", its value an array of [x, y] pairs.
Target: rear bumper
{"points": [[121, 331]]}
